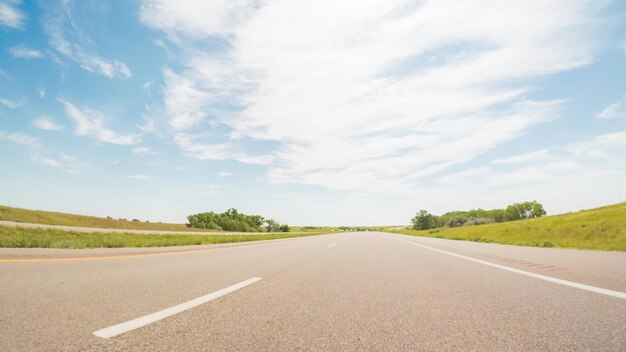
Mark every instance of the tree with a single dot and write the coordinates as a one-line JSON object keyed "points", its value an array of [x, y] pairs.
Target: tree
{"points": [[272, 225], [498, 215], [524, 210], [536, 210], [284, 228], [517, 211], [424, 220], [513, 212], [230, 220]]}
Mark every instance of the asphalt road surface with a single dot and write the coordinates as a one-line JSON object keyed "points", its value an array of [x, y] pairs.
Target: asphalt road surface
{"points": [[340, 292]]}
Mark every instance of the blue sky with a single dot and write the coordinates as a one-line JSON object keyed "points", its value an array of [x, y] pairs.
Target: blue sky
{"points": [[314, 113]]}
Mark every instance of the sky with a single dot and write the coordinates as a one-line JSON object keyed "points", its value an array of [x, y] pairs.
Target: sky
{"points": [[311, 112]]}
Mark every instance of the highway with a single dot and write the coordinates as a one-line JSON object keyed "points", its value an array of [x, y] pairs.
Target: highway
{"points": [[340, 292]]}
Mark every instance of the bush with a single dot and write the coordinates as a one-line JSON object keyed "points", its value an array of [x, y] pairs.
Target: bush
{"points": [[424, 220], [478, 221], [232, 220], [517, 211], [272, 225], [525, 210], [456, 222]]}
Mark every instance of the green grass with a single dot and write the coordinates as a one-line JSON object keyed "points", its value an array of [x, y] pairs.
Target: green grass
{"points": [[22, 237], [598, 229], [53, 218]]}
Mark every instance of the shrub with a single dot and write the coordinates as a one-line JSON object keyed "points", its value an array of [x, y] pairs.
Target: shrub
{"points": [[456, 222], [424, 220], [478, 221], [230, 220]]}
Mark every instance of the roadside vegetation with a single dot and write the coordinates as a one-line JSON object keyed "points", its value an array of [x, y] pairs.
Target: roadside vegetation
{"points": [[424, 220], [63, 219], [233, 220], [22, 237], [598, 229]]}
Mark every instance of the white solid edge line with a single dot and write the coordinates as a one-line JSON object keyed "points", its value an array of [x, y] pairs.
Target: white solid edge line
{"points": [[332, 245], [153, 317], [589, 288]]}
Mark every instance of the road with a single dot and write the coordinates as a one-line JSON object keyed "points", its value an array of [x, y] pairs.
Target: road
{"points": [[340, 292]]}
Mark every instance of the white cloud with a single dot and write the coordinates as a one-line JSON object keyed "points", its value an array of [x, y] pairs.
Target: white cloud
{"points": [[543, 172], [538, 155], [141, 151], [10, 16], [5, 75], [140, 177], [25, 52], [91, 123], [12, 104], [225, 173], [465, 176], [47, 161], [144, 151], [58, 31], [606, 147], [40, 155], [45, 123], [197, 19], [366, 94], [41, 92], [204, 151], [62, 161], [606, 150], [109, 68], [19, 138], [183, 102], [613, 111]]}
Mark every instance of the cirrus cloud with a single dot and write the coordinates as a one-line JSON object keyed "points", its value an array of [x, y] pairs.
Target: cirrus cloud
{"points": [[89, 122], [10, 15], [67, 40], [373, 95], [24, 52], [45, 123]]}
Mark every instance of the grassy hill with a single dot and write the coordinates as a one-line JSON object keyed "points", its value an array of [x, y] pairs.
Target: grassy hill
{"points": [[599, 229], [20, 237], [53, 218], [64, 219]]}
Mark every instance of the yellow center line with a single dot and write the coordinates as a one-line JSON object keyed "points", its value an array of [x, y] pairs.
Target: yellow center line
{"points": [[122, 256]]}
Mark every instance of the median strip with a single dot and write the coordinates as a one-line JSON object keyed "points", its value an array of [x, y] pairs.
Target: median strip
{"points": [[589, 288], [121, 328]]}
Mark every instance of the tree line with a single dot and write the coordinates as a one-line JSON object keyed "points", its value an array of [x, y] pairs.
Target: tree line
{"points": [[424, 220], [232, 220]]}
